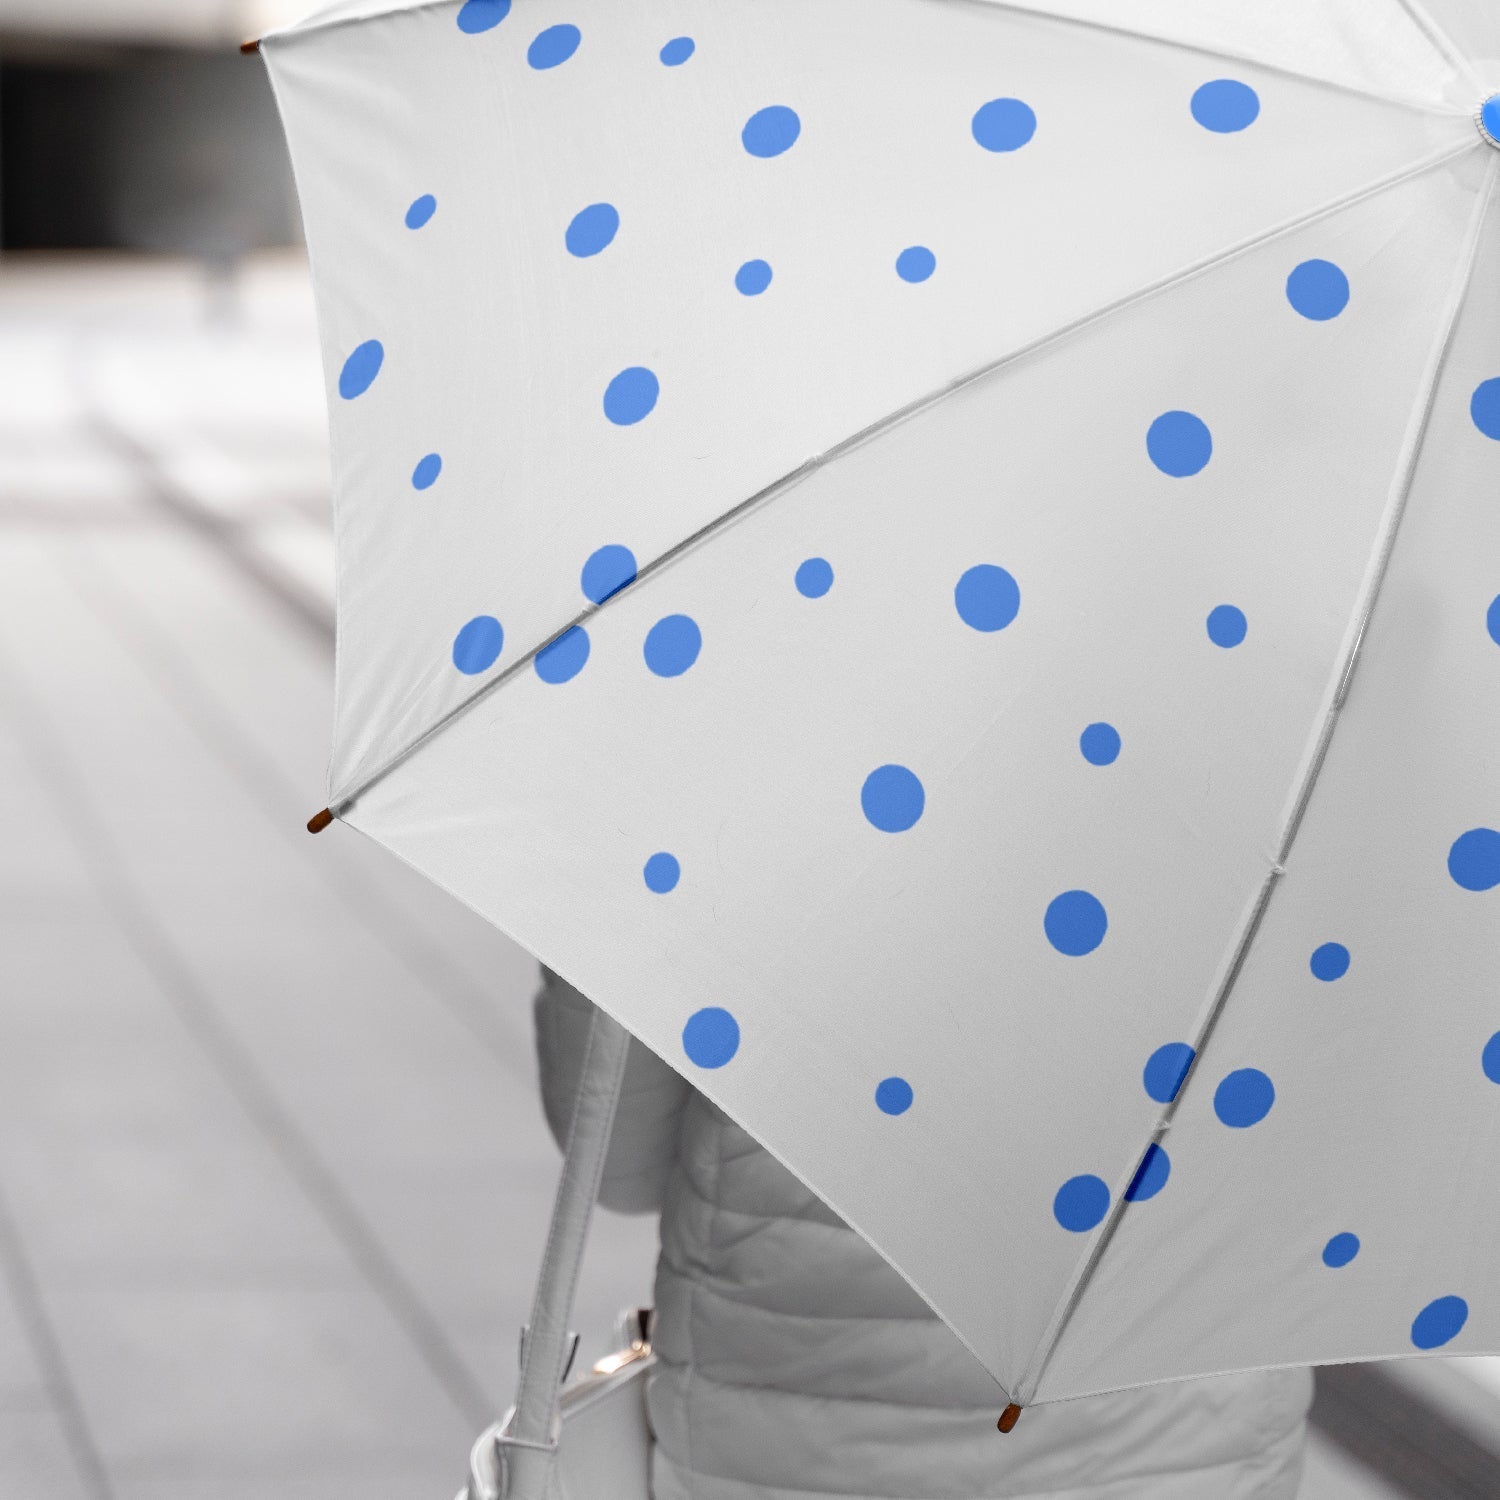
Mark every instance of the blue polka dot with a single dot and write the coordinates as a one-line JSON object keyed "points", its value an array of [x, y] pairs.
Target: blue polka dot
{"points": [[563, 659], [893, 1096], [1329, 962], [592, 229], [1075, 923], [1485, 408], [1179, 444], [553, 46], [607, 571], [1492, 620], [1489, 1059], [1439, 1323], [479, 15], [1474, 859], [1151, 1176], [662, 873], [987, 598], [1489, 118], [361, 368], [770, 131], [1166, 1069], [672, 645], [1100, 744], [711, 1037], [1081, 1203], [477, 646], [678, 50], [631, 396], [1004, 124], [814, 578], [1227, 626], [1318, 290], [1244, 1098], [893, 799], [1225, 106], [421, 210], [916, 263], [753, 277], [425, 475], [1340, 1250]]}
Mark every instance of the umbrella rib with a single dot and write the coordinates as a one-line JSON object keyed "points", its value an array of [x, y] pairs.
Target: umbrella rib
{"points": [[1403, 480], [1440, 41], [344, 800]]}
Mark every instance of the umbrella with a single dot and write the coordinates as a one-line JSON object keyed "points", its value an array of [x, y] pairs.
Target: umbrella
{"points": [[940, 560]]}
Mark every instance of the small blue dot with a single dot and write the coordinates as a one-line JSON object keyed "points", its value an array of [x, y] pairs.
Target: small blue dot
{"points": [[479, 15], [672, 645], [1100, 744], [893, 799], [1340, 1250], [1244, 1098], [361, 368], [421, 210], [770, 131], [753, 277], [1329, 962], [425, 475], [1225, 106], [563, 659], [1075, 923], [814, 578], [1474, 859], [1318, 290], [477, 646], [1004, 124], [987, 598], [1081, 1203], [592, 229], [631, 396], [711, 1037], [677, 51], [1439, 1323], [916, 263], [1492, 620], [1179, 444], [607, 571], [1485, 408], [1166, 1069], [1489, 117], [1227, 626], [1151, 1176], [1489, 1059], [662, 873], [553, 46], [893, 1096]]}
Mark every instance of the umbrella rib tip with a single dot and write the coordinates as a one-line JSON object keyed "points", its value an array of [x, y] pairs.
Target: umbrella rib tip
{"points": [[250, 48], [320, 820], [1009, 1417]]}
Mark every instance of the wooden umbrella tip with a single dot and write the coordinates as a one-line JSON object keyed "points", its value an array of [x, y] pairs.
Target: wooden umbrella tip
{"points": [[1009, 1417], [250, 48], [319, 821]]}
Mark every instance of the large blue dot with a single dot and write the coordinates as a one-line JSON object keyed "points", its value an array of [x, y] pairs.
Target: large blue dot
{"points": [[1151, 1176], [677, 51], [1244, 1098], [608, 570], [563, 659], [631, 396], [662, 872], [1484, 407], [553, 46], [592, 229], [479, 15], [814, 578], [361, 368], [1165, 1070], [425, 475], [1489, 1059], [1318, 290], [1081, 1203], [672, 645], [1100, 744], [1225, 106], [770, 131], [477, 646], [893, 798], [1004, 124], [1439, 1323], [1179, 444], [1492, 620], [421, 210], [1340, 1250], [753, 277], [916, 263], [987, 597], [1075, 923], [1227, 626], [893, 1096], [711, 1037], [1330, 961], [1474, 859]]}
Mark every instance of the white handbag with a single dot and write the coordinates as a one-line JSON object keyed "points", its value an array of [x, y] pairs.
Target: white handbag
{"points": [[588, 1440]]}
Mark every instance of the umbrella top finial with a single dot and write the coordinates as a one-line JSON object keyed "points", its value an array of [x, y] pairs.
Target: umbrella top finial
{"points": [[1489, 120]]}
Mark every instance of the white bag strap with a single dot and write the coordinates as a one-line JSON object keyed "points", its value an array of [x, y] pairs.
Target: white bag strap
{"points": [[528, 1443]]}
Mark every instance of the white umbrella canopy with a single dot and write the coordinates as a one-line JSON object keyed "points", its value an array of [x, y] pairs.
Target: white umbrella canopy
{"points": [[857, 521]]}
